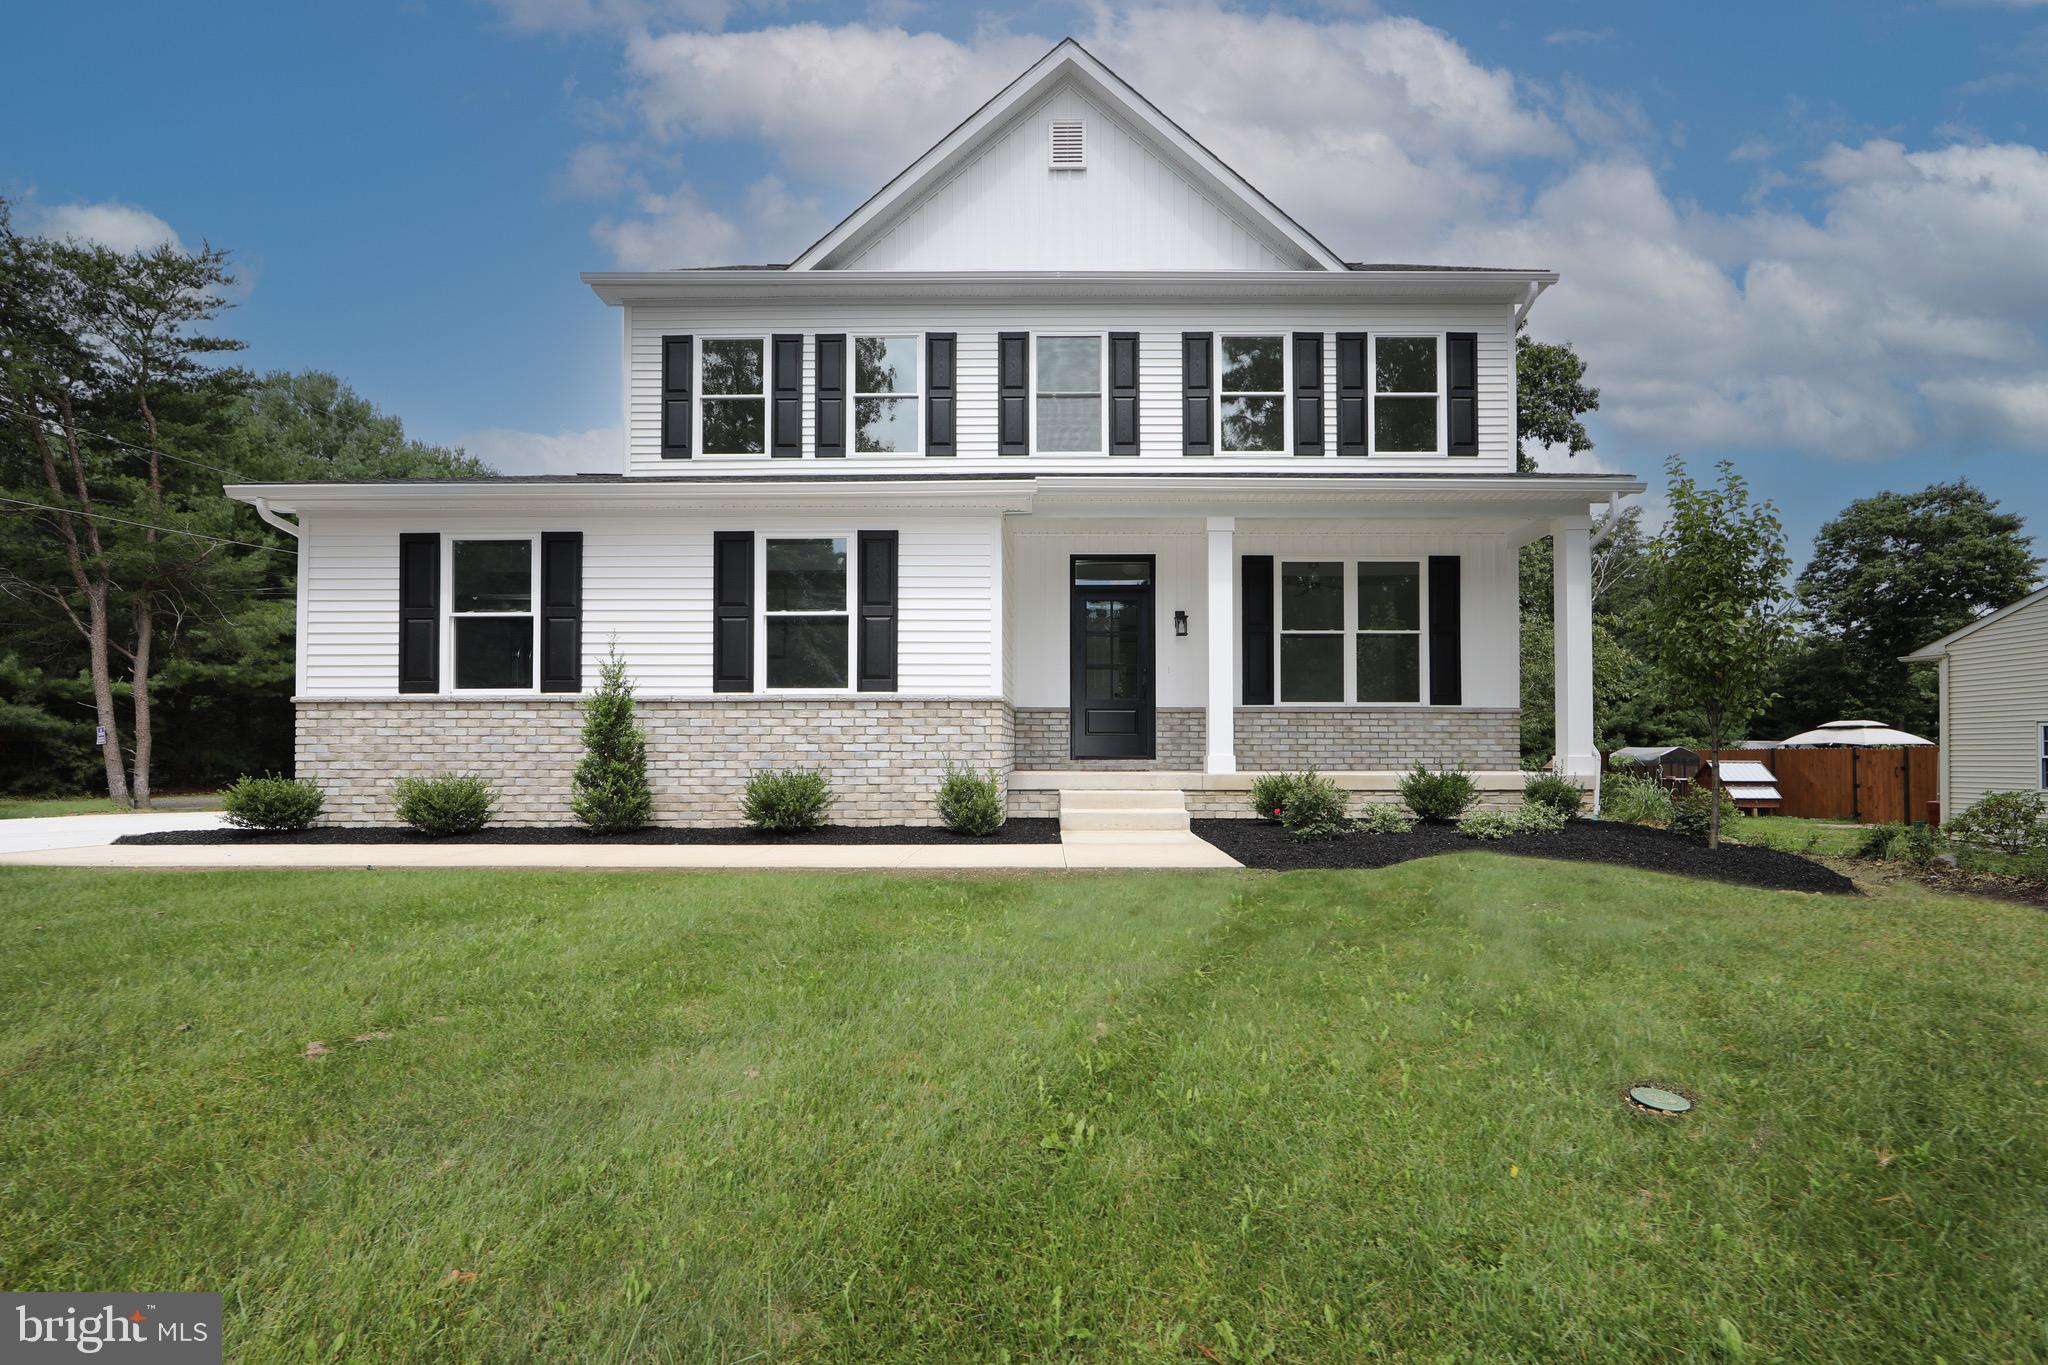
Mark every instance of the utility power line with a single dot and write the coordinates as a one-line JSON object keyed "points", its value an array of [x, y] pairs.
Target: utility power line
{"points": [[147, 526]]}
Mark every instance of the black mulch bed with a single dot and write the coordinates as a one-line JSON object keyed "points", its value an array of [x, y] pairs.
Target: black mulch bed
{"points": [[1021, 831], [1255, 843]]}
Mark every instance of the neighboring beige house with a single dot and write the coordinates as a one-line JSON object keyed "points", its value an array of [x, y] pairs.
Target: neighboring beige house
{"points": [[1994, 703]]}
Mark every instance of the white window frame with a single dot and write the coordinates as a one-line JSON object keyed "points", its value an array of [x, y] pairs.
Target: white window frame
{"points": [[915, 396], [762, 614], [1351, 629], [698, 398], [1101, 390], [1285, 391], [2041, 754], [449, 616], [1373, 394]]}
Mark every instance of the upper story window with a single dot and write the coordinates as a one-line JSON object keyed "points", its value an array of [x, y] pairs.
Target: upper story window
{"points": [[1252, 418], [1407, 402], [885, 395], [1069, 370], [732, 389], [806, 633], [490, 613]]}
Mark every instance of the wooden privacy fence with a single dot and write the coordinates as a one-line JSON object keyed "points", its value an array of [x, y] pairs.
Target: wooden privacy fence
{"points": [[1869, 786]]}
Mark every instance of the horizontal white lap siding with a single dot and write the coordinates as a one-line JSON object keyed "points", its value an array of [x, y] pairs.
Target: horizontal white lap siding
{"points": [[1997, 703], [1159, 325], [1041, 554], [647, 588]]}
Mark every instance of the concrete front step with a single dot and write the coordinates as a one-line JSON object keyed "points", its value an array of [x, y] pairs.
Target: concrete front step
{"points": [[1122, 812], [1123, 800], [1164, 837], [1072, 821]]}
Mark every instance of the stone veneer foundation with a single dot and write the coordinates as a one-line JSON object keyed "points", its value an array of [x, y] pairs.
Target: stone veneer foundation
{"points": [[885, 755], [1289, 738]]}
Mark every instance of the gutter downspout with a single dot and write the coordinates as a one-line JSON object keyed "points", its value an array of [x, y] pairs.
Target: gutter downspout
{"points": [[1600, 532], [270, 518]]}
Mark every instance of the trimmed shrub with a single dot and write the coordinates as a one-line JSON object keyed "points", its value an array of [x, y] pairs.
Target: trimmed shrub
{"points": [[2011, 822], [1914, 845], [610, 794], [1531, 817], [1442, 795], [271, 802], [1314, 808], [1269, 794], [1548, 789], [1634, 799], [1384, 817], [969, 802], [1877, 841], [453, 803], [787, 801], [1692, 813]]}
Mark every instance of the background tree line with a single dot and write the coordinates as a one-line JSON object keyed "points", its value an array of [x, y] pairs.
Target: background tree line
{"points": [[141, 602]]}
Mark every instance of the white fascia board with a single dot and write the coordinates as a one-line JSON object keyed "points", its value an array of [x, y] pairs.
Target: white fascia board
{"points": [[647, 494], [1066, 59], [754, 286], [1507, 500]]}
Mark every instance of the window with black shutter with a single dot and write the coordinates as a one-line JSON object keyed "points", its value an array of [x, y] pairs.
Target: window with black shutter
{"points": [[1308, 393], [786, 417], [1197, 394], [732, 611], [830, 398], [877, 602], [1013, 393], [1351, 393], [561, 607], [941, 352], [419, 612], [1461, 399], [1123, 393], [675, 398]]}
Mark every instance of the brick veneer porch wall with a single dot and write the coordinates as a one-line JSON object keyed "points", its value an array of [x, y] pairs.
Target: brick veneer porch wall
{"points": [[885, 756], [1276, 738], [1044, 742]]}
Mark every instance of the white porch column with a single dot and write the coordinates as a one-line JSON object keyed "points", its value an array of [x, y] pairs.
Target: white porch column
{"points": [[1221, 630], [1571, 572]]}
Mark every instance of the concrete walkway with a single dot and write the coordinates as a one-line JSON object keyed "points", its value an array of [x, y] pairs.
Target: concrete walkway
{"points": [[89, 831], [1185, 851]]}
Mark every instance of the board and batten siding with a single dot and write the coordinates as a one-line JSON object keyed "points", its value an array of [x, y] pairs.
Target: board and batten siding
{"points": [[647, 586], [1995, 701], [1039, 556], [1130, 209], [1159, 325]]}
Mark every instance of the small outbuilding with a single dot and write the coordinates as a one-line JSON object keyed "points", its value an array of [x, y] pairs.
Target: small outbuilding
{"points": [[1994, 703], [1749, 784], [1671, 763]]}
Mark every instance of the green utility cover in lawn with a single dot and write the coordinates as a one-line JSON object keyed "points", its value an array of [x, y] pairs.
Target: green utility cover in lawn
{"points": [[1664, 1101]]}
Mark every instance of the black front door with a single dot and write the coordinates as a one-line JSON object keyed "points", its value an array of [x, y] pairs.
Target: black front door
{"points": [[1111, 650]]}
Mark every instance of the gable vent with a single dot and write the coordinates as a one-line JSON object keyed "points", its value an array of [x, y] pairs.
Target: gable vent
{"points": [[1069, 144]]}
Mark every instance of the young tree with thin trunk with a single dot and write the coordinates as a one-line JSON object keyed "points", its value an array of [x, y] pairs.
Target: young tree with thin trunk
{"points": [[1716, 605]]}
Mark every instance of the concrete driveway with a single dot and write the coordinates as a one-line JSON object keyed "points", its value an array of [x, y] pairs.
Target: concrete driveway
{"points": [[95, 831]]}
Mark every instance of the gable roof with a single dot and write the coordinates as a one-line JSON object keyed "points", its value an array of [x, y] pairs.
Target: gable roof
{"points": [[1930, 653], [1067, 61]]}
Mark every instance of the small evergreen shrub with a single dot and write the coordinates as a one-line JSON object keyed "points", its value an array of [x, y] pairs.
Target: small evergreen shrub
{"points": [[787, 801], [1531, 817], [453, 803], [1634, 799], [610, 794], [271, 802], [2011, 822], [1314, 808], [1384, 817], [1877, 841], [970, 802], [1269, 794], [1548, 789], [1691, 813], [1442, 795], [1921, 847]]}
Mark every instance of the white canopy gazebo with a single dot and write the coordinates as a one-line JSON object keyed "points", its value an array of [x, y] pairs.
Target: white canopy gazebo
{"points": [[1853, 734]]}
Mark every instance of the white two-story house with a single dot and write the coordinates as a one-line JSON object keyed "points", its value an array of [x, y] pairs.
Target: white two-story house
{"points": [[1067, 454]]}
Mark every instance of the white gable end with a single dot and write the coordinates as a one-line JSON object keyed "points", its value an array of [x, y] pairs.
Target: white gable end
{"points": [[1128, 208]]}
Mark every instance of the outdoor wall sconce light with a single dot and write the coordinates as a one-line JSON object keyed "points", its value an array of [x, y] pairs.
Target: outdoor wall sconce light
{"points": [[1180, 624]]}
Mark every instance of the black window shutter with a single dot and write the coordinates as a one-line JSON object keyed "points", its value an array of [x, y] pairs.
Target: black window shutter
{"points": [[419, 612], [1461, 393], [831, 399], [732, 611], [561, 611], [1351, 382], [1446, 661], [675, 398], [1308, 393], [941, 349], [877, 666], [787, 395], [1123, 393], [1013, 393], [1197, 394], [1255, 616]]}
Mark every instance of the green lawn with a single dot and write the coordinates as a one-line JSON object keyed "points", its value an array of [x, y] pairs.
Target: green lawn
{"points": [[1332, 1116], [26, 807], [1826, 837]]}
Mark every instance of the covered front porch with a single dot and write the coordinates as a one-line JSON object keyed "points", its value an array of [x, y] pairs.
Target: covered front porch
{"points": [[1194, 638]]}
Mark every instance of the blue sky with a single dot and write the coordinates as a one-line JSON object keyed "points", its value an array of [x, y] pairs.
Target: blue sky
{"points": [[1809, 238]]}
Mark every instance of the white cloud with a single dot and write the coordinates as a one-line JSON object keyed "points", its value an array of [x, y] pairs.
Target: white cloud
{"points": [[679, 229], [122, 227], [599, 170], [600, 451]]}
